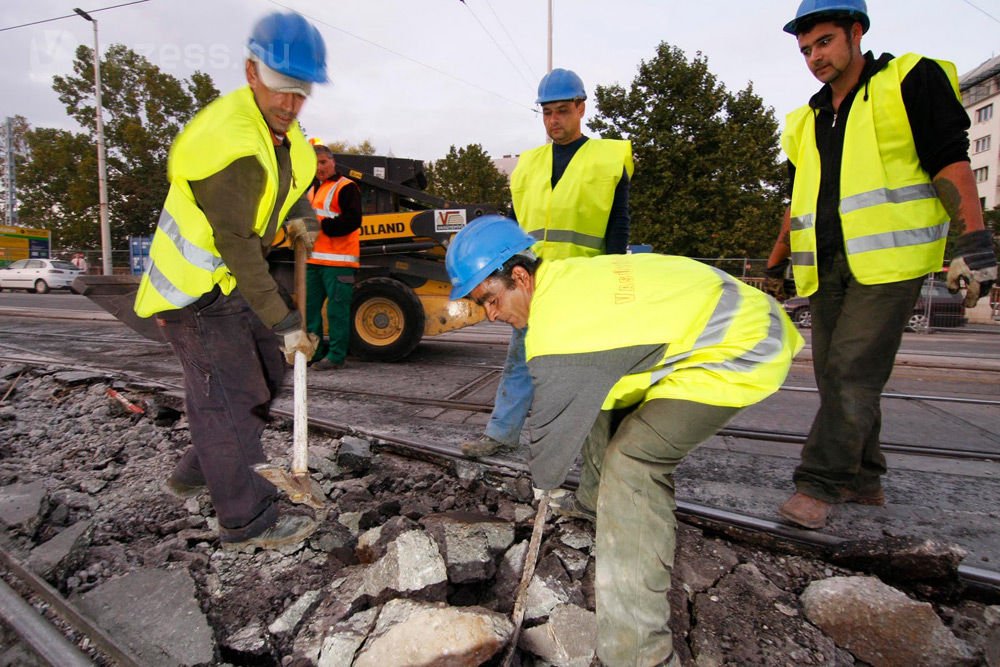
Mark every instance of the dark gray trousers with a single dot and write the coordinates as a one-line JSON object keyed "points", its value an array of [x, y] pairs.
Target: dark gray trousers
{"points": [[232, 369], [856, 332]]}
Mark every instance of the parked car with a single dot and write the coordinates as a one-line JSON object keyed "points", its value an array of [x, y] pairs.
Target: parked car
{"points": [[936, 307], [38, 275]]}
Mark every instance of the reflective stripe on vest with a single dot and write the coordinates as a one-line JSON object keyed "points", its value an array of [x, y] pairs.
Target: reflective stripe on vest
{"points": [[894, 226], [184, 262], [570, 220]]}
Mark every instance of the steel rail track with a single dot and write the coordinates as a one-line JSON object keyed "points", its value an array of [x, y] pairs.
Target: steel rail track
{"points": [[983, 580], [719, 520], [44, 638]]}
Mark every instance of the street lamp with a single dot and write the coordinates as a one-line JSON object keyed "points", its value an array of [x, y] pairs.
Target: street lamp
{"points": [[102, 185]]}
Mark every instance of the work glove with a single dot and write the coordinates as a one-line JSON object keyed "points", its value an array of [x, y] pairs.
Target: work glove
{"points": [[302, 229], [298, 340], [774, 280], [974, 266]]}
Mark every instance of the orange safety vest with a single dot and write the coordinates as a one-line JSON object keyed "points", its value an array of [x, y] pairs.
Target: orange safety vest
{"points": [[334, 250]]}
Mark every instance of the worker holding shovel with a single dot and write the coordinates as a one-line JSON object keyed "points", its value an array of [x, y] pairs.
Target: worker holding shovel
{"points": [[237, 171], [635, 360]]}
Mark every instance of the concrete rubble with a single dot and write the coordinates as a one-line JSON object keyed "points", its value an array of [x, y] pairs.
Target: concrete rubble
{"points": [[412, 564]]}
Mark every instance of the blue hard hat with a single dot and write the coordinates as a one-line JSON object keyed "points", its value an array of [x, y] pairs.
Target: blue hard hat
{"points": [[857, 9], [559, 85], [290, 45], [480, 248]]}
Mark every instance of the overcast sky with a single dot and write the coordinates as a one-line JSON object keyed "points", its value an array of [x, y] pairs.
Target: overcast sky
{"points": [[417, 76]]}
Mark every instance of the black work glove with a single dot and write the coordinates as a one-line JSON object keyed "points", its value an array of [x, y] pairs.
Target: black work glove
{"points": [[974, 266], [774, 280]]}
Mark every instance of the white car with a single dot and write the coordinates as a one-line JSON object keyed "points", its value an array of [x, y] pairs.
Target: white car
{"points": [[38, 275]]}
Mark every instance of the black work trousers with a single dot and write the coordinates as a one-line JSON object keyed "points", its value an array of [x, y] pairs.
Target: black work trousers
{"points": [[232, 369], [856, 332]]}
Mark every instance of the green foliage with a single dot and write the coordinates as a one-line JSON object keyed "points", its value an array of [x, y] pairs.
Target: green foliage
{"points": [[468, 175], [366, 147], [708, 180], [19, 147], [143, 109]]}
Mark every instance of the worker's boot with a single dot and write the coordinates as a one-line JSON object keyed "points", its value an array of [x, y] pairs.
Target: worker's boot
{"points": [[180, 489], [873, 496], [484, 445], [805, 511], [569, 505], [289, 529]]}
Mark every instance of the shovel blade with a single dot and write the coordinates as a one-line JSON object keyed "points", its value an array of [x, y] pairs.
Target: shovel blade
{"points": [[301, 489]]}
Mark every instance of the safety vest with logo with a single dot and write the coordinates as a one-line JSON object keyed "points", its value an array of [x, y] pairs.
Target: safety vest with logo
{"points": [[571, 219], [334, 250], [894, 226], [727, 343], [185, 263]]}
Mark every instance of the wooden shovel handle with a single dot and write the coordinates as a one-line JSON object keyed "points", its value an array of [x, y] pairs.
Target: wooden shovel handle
{"points": [[300, 454]]}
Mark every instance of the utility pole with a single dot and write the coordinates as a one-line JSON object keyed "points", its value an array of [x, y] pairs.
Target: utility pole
{"points": [[10, 179], [102, 185]]}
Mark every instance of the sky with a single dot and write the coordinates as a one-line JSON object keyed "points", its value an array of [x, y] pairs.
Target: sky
{"points": [[415, 77]]}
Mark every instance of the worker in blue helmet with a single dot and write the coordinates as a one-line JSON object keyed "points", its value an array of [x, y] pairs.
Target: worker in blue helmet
{"points": [[571, 196], [238, 172], [630, 371], [879, 168]]}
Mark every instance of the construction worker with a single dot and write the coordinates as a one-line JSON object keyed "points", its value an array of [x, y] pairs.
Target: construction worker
{"points": [[636, 360], [572, 197], [237, 171], [879, 165], [334, 260]]}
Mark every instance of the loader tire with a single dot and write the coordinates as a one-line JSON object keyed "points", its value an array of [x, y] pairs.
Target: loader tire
{"points": [[387, 320]]}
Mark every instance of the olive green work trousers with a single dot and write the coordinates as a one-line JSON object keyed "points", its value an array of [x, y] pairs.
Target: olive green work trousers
{"points": [[628, 463]]}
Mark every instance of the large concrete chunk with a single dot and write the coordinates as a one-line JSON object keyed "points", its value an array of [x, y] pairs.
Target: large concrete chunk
{"points": [[420, 633], [881, 625], [345, 638], [156, 614], [63, 552], [470, 543], [568, 639], [411, 566], [23, 505]]}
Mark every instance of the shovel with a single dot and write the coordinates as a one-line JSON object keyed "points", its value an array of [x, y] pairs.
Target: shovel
{"points": [[300, 487]]}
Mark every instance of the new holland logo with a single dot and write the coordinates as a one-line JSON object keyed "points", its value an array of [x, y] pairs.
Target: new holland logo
{"points": [[450, 220]]}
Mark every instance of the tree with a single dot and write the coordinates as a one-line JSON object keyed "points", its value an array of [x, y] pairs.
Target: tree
{"points": [[143, 110], [708, 179], [366, 147], [468, 175]]}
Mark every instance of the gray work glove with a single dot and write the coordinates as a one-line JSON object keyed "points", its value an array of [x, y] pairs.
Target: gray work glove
{"points": [[974, 266], [774, 280], [299, 341], [302, 229]]}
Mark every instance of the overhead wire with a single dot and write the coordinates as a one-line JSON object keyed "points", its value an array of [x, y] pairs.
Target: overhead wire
{"points": [[403, 56], [980, 9], [513, 42], [74, 15], [494, 39]]}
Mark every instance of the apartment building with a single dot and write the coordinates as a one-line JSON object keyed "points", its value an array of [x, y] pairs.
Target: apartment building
{"points": [[981, 98]]}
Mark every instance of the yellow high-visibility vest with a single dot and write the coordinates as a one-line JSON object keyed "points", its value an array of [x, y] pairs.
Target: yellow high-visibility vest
{"points": [[571, 219], [185, 263], [894, 226], [727, 343]]}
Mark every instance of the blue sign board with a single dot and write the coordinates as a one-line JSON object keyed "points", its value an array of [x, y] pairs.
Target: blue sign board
{"points": [[138, 253]]}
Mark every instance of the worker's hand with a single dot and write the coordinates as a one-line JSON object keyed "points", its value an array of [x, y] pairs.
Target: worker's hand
{"points": [[299, 341], [774, 280], [302, 229], [974, 266]]}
